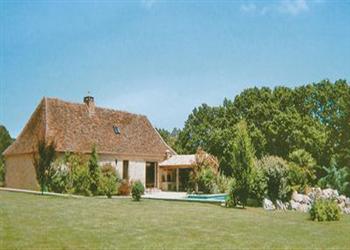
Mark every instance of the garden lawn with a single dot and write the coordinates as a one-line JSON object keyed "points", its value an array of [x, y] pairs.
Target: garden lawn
{"points": [[34, 221]]}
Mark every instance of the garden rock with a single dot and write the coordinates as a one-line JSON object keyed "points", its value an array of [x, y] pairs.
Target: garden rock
{"points": [[304, 208], [297, 197], [347, 202], [330, 193], [268, 205], [346, 210], [281, 206], [294, 205]]}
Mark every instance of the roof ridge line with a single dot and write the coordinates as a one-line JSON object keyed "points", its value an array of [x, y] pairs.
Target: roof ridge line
{"points": [[96, 107]]}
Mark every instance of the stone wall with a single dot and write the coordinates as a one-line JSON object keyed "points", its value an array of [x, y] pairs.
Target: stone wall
{"points": [[20, 172], [137, 168]]}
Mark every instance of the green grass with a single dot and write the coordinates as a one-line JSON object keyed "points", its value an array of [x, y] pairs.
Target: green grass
{"points": [[34, 221]]}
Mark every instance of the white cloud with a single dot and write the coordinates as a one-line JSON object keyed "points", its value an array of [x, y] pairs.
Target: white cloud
{"points": [[248, 8], [148, 4], [290, 7], [293, 7]]}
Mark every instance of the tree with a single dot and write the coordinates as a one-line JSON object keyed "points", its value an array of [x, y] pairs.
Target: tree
{"points": [[314, 117], [242, 163], [276, 174], [43, 157], [5, 141], [204, 172], [94, 171], [305, 162], [208, 128], [171, 138]]}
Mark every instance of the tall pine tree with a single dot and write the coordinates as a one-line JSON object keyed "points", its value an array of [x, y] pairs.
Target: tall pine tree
{"points": [[94, 171], [242, 163]]}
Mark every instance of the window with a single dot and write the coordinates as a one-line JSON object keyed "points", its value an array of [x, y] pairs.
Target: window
{"points": [[125, 170], [116, 130]]}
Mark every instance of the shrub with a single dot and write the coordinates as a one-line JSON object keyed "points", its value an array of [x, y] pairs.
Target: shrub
{"points": [[81, 180], [258, 186], [276, 174], [223, 183], [124, 187], [230, 198], [204, 172], [325, 210], [336, 178], [59, 180], [2, 172], [108, 169], [205, 180], [70, 174], [297, 177], [137, 190], [108, 183], [306, 163]]}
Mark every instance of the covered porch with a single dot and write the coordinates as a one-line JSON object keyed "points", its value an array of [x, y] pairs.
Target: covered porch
{"points": [[174, 173]]}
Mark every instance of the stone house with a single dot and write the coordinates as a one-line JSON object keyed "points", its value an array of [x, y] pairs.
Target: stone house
{"points": [[126, 141]]}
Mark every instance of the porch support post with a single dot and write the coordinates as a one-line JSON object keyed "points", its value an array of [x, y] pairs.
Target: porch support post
{"points": [[156, 176], [177, 180]]}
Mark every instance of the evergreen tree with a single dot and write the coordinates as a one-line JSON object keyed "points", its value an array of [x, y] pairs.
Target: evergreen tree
{"points": [[242, 163], [94, 171], [5, 141], [42, 160]]}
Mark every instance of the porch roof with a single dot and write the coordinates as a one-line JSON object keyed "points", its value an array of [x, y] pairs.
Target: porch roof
{"points": [[178, 160]]}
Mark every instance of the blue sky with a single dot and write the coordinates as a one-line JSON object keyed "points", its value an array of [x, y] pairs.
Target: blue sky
{"points": [[163, 58]]}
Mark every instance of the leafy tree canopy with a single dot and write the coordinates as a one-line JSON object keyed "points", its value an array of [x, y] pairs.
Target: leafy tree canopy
{"points": [[314, 117], [5, 139]]}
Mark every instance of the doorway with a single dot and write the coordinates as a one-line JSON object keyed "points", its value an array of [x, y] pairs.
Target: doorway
{"points": [[150, 174]]}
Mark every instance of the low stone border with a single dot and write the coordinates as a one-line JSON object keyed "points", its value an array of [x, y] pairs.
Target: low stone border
{"points": [[303, 202]]}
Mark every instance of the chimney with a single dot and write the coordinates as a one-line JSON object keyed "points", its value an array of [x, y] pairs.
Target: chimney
{"points": [[90, 103]]}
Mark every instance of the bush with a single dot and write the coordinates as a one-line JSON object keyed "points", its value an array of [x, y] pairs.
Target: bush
{"points": [[276, 174], [297, 177], [306, 165], [124, 188], [230, 198], [108, 183], [336, 178], [59, 180], [325, 210], [137, 190], [206, 181], [70, 174], [258, 186], [223, 183], [204, 172], [81, 180], [2, 172]]}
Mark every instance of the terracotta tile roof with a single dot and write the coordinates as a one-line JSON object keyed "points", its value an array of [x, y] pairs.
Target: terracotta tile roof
{"points": [[75, 129], [179, 160]]}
